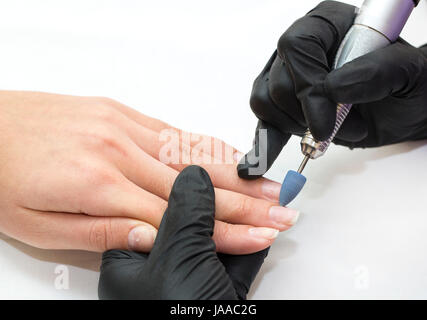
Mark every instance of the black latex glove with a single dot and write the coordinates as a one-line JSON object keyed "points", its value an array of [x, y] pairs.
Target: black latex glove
{"points": [[297, 89], [183, 263]]}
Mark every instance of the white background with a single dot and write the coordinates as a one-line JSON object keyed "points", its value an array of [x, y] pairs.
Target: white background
{"points": [[363, 230]]}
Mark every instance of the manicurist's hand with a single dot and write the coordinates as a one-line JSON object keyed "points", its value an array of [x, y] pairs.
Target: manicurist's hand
{"points": [[86, 173], [183, 263], [298, 90]]}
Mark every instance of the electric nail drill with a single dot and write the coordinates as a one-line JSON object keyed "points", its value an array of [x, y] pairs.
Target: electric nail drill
{"points": [[378, 23]]}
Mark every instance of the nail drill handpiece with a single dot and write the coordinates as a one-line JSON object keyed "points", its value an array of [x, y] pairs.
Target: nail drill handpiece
{"points": [[377, 24]]}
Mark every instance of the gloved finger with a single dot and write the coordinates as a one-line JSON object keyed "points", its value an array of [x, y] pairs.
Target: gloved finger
{"points": [[184, 249], [190, 213], [242, 269], [266, 148], [273, 130], [282, 91], [391, 71], [121, 274], [308, 48], [264, 107]]}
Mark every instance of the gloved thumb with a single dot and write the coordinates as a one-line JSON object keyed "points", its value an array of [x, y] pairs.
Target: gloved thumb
{"points": [[191, 208], [184, 250]]}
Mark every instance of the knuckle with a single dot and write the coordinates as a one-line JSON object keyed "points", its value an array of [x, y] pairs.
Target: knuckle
{"points": [[377, 70], [102, 177], [328, 8], [325, 4], [289, 41], [99, 235], [103, 138], [104, 109], [240, 211], [104, 101], [225, 233], [259, 99], [106, 114]]}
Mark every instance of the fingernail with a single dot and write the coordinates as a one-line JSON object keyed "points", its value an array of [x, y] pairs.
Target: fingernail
{"points": [[284, 216], [271, 190], [141, 238], [237, 156], [265, 233]]}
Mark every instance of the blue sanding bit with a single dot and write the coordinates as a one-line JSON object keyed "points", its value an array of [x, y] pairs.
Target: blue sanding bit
{"points": [[292, 184]]}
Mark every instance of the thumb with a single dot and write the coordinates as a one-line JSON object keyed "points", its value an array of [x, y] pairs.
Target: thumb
{"points": [[184, 251], [267, 145], [393, 70], [191, 207]]}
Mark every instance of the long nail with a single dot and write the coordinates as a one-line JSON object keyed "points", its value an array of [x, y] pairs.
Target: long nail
{"points": [[271, 190], [264, 233], [283, 216], [141, 238]]}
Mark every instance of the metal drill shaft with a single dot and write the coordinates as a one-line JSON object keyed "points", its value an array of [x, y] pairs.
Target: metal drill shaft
{"points": [[303, 163]]}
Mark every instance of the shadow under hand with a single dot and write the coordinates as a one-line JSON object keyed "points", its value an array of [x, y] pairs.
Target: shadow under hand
{"points": [[282, 249], [77, 258]]}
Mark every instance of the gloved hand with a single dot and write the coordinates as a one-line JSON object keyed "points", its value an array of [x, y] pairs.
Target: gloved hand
{"points": [[183, 263], [297, 89]]}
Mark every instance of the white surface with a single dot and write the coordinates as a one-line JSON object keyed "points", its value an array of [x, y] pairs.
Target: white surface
{"points": [[363, 229]]}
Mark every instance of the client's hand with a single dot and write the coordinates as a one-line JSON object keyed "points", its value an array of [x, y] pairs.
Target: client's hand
{"points": [[85, 173], [183, 263]]}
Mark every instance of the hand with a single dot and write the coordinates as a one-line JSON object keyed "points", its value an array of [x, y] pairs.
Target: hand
{"points": [[297, 89], [84, 173], [183, 263]]}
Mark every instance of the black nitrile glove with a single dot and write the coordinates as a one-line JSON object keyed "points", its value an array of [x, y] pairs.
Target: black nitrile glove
{"points": [[297, 89], [183, 263]]}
